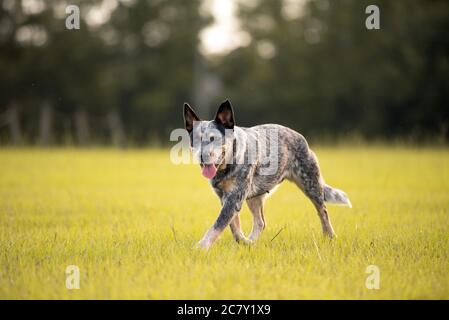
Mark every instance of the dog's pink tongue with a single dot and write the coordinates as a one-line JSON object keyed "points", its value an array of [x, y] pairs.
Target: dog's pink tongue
{"points": [[209, 171]]}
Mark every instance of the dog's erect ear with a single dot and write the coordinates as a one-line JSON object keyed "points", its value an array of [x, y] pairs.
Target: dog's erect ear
{"points": [[225, 115], [189, 117]]}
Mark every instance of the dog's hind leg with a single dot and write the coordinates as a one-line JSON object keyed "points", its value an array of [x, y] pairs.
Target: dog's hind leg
{"points": [[236, 230], [308, 178], [328, 230], [256, 207]]}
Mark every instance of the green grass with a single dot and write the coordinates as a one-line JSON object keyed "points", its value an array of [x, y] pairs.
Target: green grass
{"points": [[129, 220]]}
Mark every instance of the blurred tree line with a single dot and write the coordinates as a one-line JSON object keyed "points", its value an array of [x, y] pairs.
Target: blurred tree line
{"points": [[311, 65]]}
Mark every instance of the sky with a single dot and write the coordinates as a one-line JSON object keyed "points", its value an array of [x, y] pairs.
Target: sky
{"points": [[224, 34]]}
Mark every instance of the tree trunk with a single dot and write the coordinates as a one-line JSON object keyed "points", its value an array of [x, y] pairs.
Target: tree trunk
{"points": [[116, 129], [207, 87], [14, 125], [46, 125], [82, 127]]}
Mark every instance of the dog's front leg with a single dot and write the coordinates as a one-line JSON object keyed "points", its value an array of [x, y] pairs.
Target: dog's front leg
{"points": [[236, 230], [231, 206]]}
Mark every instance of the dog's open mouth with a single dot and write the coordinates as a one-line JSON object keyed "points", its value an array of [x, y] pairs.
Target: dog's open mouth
{"points": [[208, 170]]}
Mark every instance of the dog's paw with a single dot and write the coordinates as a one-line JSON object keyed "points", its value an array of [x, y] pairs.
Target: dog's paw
{"points": [[203, 245], [245, 241], [330, 235]]}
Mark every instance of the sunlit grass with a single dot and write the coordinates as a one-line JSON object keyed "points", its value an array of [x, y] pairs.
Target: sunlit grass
{"points": [[129, 220]]}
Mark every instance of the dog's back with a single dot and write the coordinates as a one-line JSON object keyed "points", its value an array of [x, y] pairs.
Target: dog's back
{"points": [[295, 162]]}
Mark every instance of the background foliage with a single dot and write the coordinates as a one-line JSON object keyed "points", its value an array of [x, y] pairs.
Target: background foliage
{"points": [[317, 70]]}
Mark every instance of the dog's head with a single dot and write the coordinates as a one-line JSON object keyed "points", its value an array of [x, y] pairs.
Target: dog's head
{"points": [[211, 141]]}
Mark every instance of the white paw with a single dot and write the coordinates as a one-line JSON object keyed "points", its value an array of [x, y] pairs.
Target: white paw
{"points": [[245, 241], [203, 245], [253, 238]]}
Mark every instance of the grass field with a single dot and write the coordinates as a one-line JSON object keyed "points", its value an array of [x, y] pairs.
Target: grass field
{"points": [[129, 221]]}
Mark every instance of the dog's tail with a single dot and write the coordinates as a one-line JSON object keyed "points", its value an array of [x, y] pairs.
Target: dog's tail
{"points": [[336, 196]]}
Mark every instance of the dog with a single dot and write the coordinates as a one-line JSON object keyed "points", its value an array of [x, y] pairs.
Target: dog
{"points": [[235, 161]]}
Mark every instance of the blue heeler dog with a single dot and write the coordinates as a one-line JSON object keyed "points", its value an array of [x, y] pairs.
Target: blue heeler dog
{"points": [[235, 160]]}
